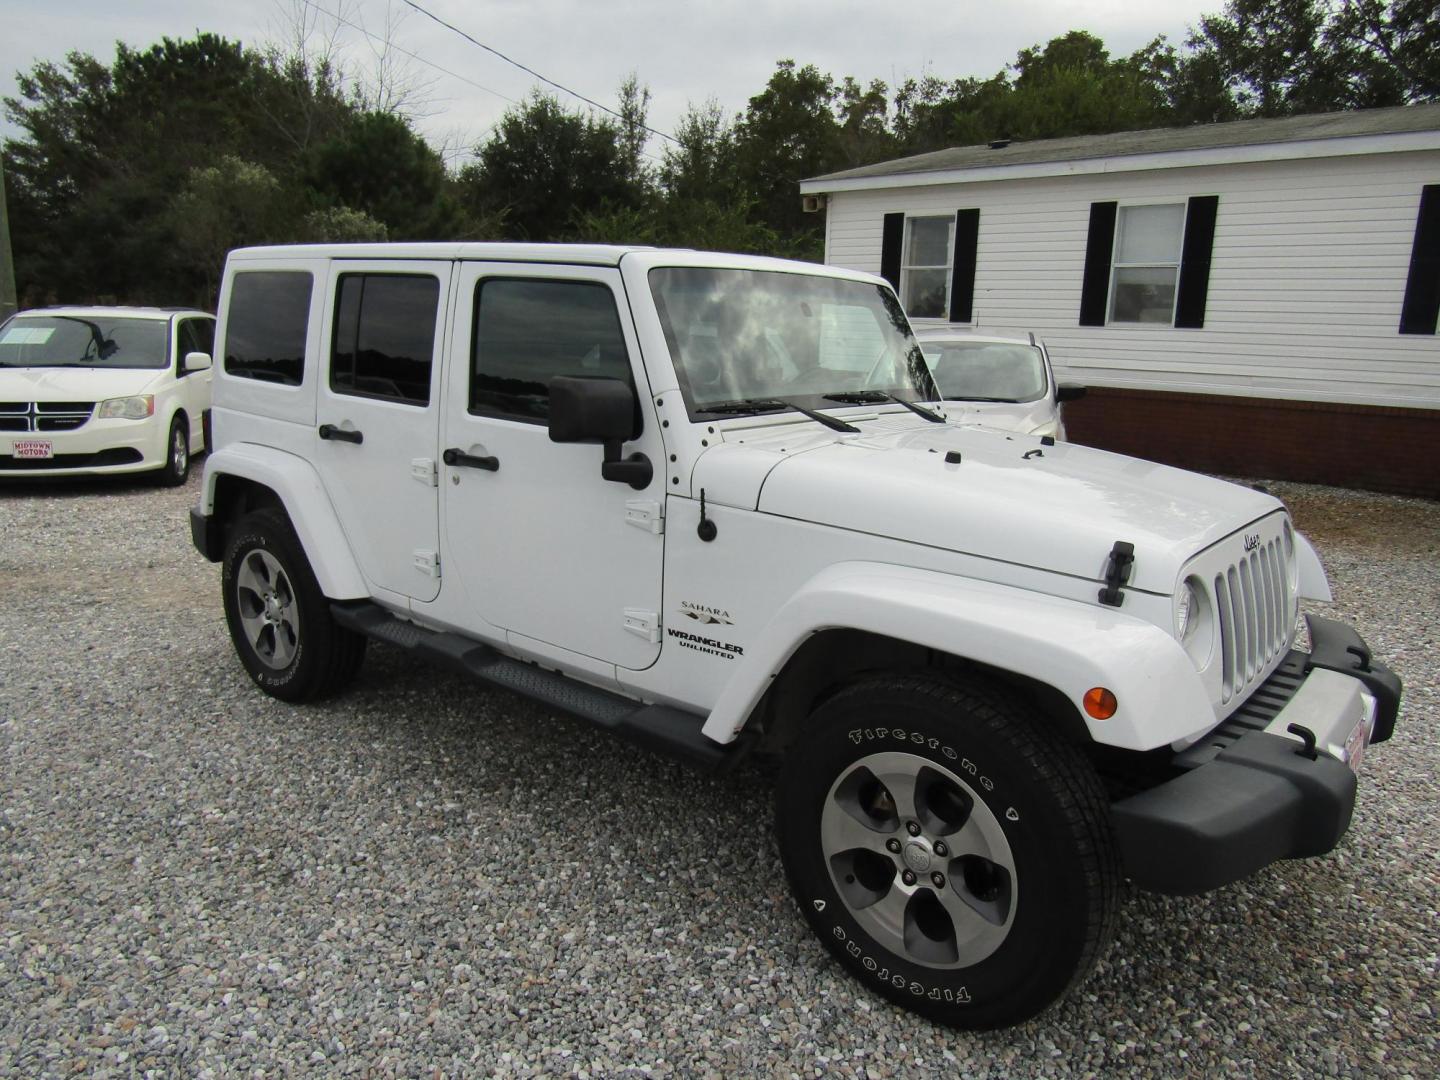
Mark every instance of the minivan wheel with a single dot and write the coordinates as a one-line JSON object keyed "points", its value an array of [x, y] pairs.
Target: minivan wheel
{"points": [[279, 620], [177, 454], [948, 849]]}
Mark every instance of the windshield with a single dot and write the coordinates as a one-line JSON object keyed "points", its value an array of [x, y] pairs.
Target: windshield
{"points": [[987, 370], [762, 336], [97, 341]]}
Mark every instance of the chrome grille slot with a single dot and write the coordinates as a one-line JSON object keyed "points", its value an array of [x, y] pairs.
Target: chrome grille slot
{"points": [[1254, 609]]}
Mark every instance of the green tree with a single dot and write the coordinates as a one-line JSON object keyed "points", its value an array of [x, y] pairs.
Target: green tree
{"points": [[789, 131], [545, 168], [700, 165], [1400, 39], [104, 150], [1273, 56], [229, 204], [377, 164]]}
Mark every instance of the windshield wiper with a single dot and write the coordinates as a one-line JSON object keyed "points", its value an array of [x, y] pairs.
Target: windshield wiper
{"points": [[1002, 400], [771, 404], [860, 397], [104, 347]]}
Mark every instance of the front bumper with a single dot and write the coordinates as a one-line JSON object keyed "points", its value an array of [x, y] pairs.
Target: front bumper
{"points": [[97, 447], [1270, 783]]}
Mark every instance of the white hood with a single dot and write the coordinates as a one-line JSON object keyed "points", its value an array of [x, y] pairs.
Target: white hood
{"points": [[74, 383], [1060, 509]]}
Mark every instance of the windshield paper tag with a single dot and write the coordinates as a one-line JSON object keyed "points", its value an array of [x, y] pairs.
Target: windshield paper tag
{"points": [[27, 335]]}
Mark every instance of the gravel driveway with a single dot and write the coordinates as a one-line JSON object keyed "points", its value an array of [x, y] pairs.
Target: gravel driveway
{"points": [[426, 878]]}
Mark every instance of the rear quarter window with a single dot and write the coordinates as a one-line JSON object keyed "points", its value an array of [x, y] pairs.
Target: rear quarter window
{"points": [[266, 325]]}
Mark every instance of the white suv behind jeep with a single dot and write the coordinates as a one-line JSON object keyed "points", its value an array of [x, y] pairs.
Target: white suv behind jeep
{"points": [[103, 390], [1001, 382], [711, 503]]}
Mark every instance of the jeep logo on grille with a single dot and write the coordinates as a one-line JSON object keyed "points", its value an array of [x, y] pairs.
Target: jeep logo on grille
{"points": [[1252, 541]]}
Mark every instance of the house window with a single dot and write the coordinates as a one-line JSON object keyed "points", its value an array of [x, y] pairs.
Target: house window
{"points": [[925, 271], [1147, 263]]}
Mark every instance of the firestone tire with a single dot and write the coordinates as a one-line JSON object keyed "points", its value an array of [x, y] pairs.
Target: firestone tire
{"points": [[948, 850], [279, 620]]}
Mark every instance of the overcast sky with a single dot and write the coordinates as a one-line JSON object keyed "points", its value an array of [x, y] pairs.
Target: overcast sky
{"points": [[684, 51]]}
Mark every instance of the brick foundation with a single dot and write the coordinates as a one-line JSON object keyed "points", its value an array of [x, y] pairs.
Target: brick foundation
{"points": [[1357, 446]]}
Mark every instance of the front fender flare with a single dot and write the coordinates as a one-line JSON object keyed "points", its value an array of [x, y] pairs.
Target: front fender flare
{"points": [[1314, 585], [300, 490], [1066, 644]]}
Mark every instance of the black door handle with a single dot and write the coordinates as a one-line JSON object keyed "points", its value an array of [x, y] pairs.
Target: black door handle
{"points": [[330, 431], [471, 461]]}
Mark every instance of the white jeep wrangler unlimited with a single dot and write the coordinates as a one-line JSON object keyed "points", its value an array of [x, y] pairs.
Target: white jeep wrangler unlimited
{"points": [[699, 500]]}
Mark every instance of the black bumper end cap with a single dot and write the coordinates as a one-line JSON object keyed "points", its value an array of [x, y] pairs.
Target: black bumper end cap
{"points": [[1257, 802], [1335, 646], [205, 535]]}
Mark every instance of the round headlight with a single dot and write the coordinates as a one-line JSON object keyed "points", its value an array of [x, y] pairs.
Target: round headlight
{"points": [[1185, 610]]}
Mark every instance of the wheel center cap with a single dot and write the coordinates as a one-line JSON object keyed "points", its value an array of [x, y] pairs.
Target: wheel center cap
{"points": [[917, 856], [273, 607]]}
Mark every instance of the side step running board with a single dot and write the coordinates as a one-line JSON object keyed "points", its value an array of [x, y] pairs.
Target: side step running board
{"points": [[659, 728]]}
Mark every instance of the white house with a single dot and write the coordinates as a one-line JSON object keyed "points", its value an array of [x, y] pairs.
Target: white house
{"points": [[1258, 297]]}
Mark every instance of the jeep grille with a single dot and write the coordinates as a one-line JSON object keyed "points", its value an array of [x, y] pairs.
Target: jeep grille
{"points": [[1256, 611]]}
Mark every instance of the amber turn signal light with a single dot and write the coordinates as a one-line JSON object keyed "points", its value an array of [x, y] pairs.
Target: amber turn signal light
{"points": [[1100, 703]]}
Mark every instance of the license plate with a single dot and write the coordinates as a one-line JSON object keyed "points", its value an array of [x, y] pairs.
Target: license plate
{"points": [[33, 448], [1355, 746]]}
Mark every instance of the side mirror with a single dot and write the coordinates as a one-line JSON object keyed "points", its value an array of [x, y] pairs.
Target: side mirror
{"points": [[1069, 392], [603, 410], [196, 361]]}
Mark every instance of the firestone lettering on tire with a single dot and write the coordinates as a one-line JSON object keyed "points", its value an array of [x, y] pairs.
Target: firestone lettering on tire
{"points": [[859, 735], [954, 995]]}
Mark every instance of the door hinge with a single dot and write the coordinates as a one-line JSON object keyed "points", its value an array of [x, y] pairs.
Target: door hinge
{"points": [[427, 562], [643, 624], [645, 514], [425, 470]]}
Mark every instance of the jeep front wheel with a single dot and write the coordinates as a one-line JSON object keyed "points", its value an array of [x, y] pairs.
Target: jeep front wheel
{"points": [[279, 620], [949, 850]]}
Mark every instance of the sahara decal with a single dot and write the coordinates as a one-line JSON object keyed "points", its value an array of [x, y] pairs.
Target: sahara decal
{"points": [[704, 613]]}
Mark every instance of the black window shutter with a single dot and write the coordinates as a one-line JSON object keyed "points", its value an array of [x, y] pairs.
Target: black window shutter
{"points": [[1421, 310], [890, 243], [1099, 247], [962, 279], [1195, 261]]}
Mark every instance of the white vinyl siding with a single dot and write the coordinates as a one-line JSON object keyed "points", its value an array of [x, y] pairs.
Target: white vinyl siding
{"points": [[1306, 281]]}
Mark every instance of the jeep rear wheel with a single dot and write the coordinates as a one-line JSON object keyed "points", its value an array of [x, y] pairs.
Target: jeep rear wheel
{"points": [[948, 849], [279, 620]]}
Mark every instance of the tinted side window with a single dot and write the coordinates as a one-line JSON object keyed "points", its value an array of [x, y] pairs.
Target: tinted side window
{"points": [[196, 335], [384, 337], [268, 321], [527, 332]]}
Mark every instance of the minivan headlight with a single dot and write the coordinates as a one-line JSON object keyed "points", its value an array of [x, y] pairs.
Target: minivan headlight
{"points": [[127, 408]]}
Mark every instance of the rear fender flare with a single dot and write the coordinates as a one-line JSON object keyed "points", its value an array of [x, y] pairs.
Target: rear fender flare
{"points": [[298, 487]]}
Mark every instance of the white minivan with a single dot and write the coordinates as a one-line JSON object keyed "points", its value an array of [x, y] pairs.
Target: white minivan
{"points": [[104, 390]]}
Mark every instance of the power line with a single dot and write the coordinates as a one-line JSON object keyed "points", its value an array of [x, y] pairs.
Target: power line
{"points": [[453, 74], [532, 71], [414, 56]]}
